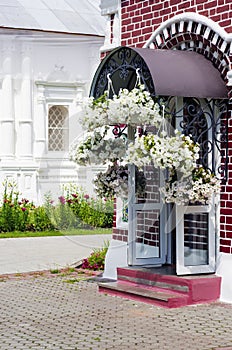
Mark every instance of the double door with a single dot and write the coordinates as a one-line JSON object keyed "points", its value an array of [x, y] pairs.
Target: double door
{"points": [[161, 233]]}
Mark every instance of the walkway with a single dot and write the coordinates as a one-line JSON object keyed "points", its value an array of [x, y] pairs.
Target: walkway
{"points": [[41, 253], [68, 313]]}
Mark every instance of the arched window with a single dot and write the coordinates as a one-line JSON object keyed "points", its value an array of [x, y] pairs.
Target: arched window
{"points": [[58, 128]]}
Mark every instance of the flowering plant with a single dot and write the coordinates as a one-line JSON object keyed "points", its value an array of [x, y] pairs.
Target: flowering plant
{"points": [[97, 149], [133, 107], [177, 152], [197, 188], [94, 114], [114, 182]]}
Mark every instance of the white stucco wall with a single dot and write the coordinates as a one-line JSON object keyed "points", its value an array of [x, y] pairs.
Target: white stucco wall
{"points": [[224, 264], [40, 70]]}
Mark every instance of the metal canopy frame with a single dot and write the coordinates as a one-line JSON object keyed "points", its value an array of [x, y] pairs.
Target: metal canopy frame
{"points": [[163, 72], [122, 65]]}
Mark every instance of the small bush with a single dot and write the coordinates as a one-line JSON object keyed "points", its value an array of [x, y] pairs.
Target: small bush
{"points": [[96, 261], [94, 212], [14, 214], [40, 220]]}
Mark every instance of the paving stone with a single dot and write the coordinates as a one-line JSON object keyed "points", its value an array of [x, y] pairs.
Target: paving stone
{"points": [[49, 313]]}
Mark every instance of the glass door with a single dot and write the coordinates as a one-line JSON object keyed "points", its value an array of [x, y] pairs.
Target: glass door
{"points": [[146, 218], [195, 223]]}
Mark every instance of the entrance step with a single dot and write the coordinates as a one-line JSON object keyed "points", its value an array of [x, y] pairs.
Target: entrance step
{"points": [[154, 287], [151, 295]]}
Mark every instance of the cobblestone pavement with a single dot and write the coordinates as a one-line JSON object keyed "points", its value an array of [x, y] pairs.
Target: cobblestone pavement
{"points": [[67, 312]]}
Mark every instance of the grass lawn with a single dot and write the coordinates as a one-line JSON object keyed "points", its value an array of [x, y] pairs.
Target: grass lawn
{"points": [[76, 232]]}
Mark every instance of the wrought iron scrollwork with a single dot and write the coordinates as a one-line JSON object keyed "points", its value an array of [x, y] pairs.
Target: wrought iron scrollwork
{"points": [[120, 131], [121, 65], [207, 123]]}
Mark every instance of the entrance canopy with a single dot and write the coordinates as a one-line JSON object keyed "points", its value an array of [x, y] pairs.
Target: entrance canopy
{"points": [[164, 72]]}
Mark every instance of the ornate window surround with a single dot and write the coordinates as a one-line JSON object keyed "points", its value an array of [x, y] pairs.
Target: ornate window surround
{"points": [[51, 93]]}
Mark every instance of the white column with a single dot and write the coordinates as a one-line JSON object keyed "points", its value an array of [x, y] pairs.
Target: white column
{"points": [[25, 136], [116, 30], [7, 117], [40, 122]]}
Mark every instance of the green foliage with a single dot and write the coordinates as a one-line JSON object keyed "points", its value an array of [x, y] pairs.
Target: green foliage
{"points": [[14, 214], [92, 212], [40, 220], [73, 211], [63, 217], [96, 261]]}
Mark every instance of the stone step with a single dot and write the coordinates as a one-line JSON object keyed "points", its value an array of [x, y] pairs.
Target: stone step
{"points": [[152, 295], [198, 288], [152, 279]]}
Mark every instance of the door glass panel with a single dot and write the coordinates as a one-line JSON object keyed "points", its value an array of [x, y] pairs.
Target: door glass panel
{"points": [[196, 228], [148, 185], [148, 234]]}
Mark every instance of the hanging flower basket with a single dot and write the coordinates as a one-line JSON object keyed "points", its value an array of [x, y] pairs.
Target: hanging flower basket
{"points": [[198, 188], [133, 107], [177, 152], [96, 149], [114, 182], [187, 182]]}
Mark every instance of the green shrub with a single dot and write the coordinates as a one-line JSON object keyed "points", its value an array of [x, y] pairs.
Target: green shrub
{"points": [[94, 212], [63, 217], [76, 210], [96, 261], [14, 214], [40, 220]]}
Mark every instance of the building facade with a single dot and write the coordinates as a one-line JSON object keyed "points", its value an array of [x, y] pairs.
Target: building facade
{"points": [[48, 57], [197, 239]]}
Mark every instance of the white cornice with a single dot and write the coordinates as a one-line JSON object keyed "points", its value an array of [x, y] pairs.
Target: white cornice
{"points": [[61, 83]]}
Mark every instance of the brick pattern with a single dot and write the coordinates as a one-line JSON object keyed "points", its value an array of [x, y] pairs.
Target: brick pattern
{"points": [[226, 200], [148, 223], [68, 313], [196, 231], [120, 234], [141, 18], [148, 227], [152, 193], [139, 21]]}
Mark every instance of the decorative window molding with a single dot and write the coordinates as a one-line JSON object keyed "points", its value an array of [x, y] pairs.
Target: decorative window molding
{"points": [[194, 32], [55, 93], [60, 92], [58, 128]]}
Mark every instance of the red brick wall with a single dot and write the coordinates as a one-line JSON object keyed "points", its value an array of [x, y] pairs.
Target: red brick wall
{"points": [[141, 18], [226, 202]]}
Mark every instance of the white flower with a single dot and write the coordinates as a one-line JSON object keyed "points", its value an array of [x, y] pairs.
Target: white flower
{"points": [[133, 107], [98, 148], [178, 151], [199, 187]]}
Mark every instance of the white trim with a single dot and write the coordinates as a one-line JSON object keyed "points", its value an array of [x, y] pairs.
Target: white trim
{"points": [[190, 16]]}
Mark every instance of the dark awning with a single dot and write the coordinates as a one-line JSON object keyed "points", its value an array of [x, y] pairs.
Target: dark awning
{"points": [[165, 73]]}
